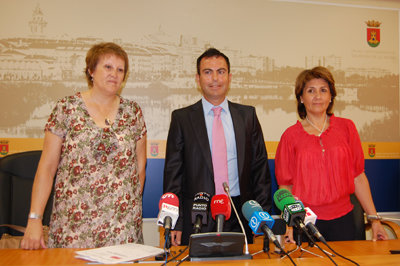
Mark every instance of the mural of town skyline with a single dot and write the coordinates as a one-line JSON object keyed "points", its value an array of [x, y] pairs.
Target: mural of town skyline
{"points": [[44, 44]]}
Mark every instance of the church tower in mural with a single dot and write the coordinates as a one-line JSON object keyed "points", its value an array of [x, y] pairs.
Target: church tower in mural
{"points": [[37, 23]]}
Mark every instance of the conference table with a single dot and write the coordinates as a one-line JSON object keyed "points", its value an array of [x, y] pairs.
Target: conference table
{"points": [[363, 252]]}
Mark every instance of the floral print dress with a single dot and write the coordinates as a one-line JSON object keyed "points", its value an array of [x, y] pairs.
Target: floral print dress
{"points": [[97, 200]]}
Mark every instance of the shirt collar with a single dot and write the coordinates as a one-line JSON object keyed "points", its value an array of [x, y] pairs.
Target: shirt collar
{"points": [[207, 106]]}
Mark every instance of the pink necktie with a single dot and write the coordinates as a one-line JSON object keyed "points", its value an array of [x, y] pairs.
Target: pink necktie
{"points": [[219, 157]]}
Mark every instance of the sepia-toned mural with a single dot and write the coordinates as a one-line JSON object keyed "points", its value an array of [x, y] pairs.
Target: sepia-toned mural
{"points": [[43, 44]]}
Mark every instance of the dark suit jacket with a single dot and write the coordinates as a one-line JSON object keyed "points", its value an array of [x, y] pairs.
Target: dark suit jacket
{"points": [[188, 163]]}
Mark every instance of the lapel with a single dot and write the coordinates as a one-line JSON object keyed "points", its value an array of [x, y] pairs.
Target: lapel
{"points": [[240, 135], [200, 131]]}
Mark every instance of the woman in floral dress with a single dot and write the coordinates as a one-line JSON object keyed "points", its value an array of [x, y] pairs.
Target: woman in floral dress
{"points": [[95, 143]]}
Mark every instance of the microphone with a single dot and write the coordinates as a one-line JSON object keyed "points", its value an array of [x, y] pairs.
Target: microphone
{"points": [[310, 217], [220, 210], [260, 222], [200, 206], [309, 221], [226, 189], [279, 229], [169, 211], [293, 213]]}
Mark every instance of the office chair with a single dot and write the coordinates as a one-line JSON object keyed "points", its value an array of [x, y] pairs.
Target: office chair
{"points": [[359, 219], [17, 172], [363, 228]]}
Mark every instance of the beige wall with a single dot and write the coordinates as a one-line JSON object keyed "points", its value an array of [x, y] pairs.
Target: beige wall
{"points": [[43, 45]]}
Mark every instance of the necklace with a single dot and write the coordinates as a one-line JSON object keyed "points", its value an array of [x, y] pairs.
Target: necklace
{"points": [[107, 120], [314, 126]]}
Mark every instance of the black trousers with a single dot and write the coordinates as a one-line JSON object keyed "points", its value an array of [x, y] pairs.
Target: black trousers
{"points": [[339, 229], [232, 225]]}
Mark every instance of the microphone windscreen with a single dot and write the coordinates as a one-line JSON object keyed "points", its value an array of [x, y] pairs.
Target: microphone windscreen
{"points": [[226, 187], [220, 204], [283, 197], [279, 227], [201, 203], [169, 198], [249, 207]]}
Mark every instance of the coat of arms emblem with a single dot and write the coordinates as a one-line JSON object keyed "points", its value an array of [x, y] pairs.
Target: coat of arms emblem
{"points": [[154, 149], [373, 33], [4, 147], [371, 150]]}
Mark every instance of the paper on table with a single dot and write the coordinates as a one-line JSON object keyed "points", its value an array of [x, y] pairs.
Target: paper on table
{"points": [[119, 253]]}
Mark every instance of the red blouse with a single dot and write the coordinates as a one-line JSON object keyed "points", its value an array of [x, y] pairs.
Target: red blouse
{"points": [[321, 169]]}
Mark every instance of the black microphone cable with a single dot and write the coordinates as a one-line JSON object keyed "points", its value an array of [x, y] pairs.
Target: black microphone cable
{"points": [[343, 257], [268, 233], [322, 239], [278, 245], [287, 254], [303, 228], [176, 256], [282, 252]]}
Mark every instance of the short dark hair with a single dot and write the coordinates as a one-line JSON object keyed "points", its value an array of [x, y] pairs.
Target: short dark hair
{"points": [[305, 76], [211, 52], [99, 50]]}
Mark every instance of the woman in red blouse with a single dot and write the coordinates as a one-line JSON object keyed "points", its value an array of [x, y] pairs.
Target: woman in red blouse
{"points": [[320, 160]]}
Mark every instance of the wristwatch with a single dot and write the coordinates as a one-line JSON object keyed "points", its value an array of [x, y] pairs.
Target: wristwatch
{"points": [[34, 215]]}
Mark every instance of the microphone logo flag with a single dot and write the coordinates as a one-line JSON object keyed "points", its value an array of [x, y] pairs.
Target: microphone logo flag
{"points": [[202, 196], [254, 224], [295, 207], [168, 210], [169, 207], [291, 210], [286, 215], [265, 216], [168, 196], [199, 207], [219, 201], [258, 219], [310, 217]]}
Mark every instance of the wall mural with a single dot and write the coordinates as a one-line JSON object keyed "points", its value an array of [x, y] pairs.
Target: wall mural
{"points": [[43, 45]]}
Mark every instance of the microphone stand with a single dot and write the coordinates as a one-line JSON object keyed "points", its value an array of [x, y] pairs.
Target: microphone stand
{"points": [[265, 248], [246, 252], [266, 245], [299, 243]]}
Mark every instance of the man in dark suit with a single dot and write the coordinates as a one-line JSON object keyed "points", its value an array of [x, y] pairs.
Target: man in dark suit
{"points": [[188, 163]]}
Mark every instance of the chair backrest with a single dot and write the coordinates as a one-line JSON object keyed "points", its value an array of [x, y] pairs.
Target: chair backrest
{"points": [[359, 219], [17, 172]]}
